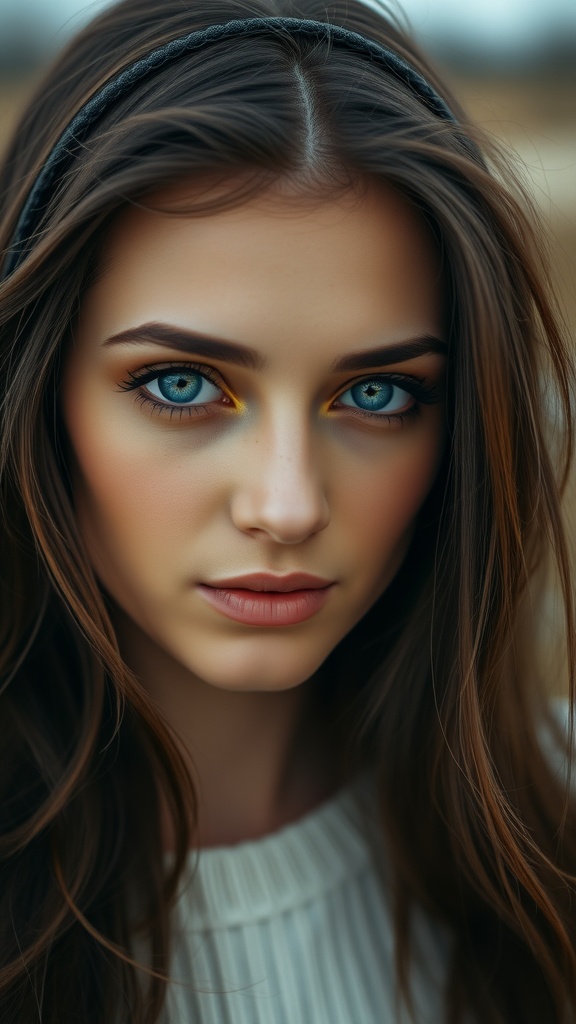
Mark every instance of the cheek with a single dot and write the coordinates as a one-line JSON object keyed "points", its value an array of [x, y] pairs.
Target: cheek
{"points": [[381, 501], [138, 500], [128, 498]]}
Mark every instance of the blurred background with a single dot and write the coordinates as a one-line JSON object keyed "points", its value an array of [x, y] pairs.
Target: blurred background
{"points": [[512, 63]]}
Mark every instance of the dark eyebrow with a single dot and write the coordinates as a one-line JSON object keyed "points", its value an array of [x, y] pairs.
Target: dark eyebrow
{"points": [[191, 342], [387, 354], [195, 343]]}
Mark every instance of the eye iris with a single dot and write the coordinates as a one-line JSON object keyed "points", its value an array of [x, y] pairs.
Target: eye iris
{"points": [[372, 394], [180, 387]]}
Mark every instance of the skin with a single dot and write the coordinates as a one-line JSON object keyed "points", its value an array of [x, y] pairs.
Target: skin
{"points": [[281, 475]]}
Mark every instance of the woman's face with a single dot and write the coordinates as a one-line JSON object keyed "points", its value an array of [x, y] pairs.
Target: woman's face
{"points": [[256, 391]]}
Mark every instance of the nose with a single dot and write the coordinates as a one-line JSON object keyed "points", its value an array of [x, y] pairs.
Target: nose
{"points": [[279, 491]]}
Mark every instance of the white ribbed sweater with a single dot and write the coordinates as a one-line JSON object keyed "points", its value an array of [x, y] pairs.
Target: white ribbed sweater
{"points": [[295, 928]]}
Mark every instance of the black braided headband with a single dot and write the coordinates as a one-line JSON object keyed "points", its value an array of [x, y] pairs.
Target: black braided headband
{"points": [[63, 153]]}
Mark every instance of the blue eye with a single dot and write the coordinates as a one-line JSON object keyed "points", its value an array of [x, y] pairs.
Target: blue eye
{"points": [[198, 390], [191, 390], [375, 395], [182, 387]]}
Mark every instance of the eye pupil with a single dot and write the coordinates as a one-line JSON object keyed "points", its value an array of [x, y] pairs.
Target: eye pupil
{"points": [[180, 386], [373, 394]]}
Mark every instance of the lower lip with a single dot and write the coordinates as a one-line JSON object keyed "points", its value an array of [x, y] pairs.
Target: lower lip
{"points": [[266, 607]]}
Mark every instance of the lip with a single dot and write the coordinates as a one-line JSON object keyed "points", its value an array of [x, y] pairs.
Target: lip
{"points": [[261, 599], [265, 581]]}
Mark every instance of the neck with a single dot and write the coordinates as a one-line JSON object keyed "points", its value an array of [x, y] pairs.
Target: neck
{"points": [[259, 759]]}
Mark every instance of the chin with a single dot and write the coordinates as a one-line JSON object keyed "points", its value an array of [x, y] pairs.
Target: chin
{"points": [[245, 671]]}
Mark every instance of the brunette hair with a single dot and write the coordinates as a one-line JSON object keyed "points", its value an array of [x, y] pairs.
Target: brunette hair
{"points": [[480, 829]]}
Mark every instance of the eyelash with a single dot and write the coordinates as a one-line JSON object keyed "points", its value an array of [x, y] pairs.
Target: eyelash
{"points": [[149, 373], [417, 387]]}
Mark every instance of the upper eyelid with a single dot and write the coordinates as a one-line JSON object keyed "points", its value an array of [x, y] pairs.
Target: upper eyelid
{"points": [[158, 368], [201, 367], [146, 374], [394, 375]]}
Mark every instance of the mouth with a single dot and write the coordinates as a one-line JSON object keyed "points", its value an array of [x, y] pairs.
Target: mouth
{"points": [[269, 583], [261, 600]]}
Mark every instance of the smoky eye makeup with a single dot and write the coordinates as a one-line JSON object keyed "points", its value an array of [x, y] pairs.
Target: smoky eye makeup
{"points": [[195, 389]]}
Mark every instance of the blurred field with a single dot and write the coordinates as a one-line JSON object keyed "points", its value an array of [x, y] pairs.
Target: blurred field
{"points": [[536, 119]]}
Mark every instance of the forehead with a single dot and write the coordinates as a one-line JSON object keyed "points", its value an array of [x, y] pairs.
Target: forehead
{"points": [[278, 266]]}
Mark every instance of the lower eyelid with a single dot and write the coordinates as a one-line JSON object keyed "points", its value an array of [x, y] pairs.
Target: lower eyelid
{"points": [[162, 408], [161, 402]]}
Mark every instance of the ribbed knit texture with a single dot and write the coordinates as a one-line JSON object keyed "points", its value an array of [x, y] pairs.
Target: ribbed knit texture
{"points": [[295, 928]]}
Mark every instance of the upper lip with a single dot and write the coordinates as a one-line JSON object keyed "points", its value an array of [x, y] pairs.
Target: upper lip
{"points": [[267, 581]]}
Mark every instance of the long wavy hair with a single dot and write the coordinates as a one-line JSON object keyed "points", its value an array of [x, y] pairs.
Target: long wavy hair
{"points": [[436, 690]]}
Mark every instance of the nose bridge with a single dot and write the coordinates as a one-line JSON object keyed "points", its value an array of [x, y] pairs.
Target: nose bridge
{"points": [[290, 444], [281, 489]]}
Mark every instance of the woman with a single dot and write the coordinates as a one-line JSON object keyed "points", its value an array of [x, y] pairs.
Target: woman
{"points": [[278, 476]]}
